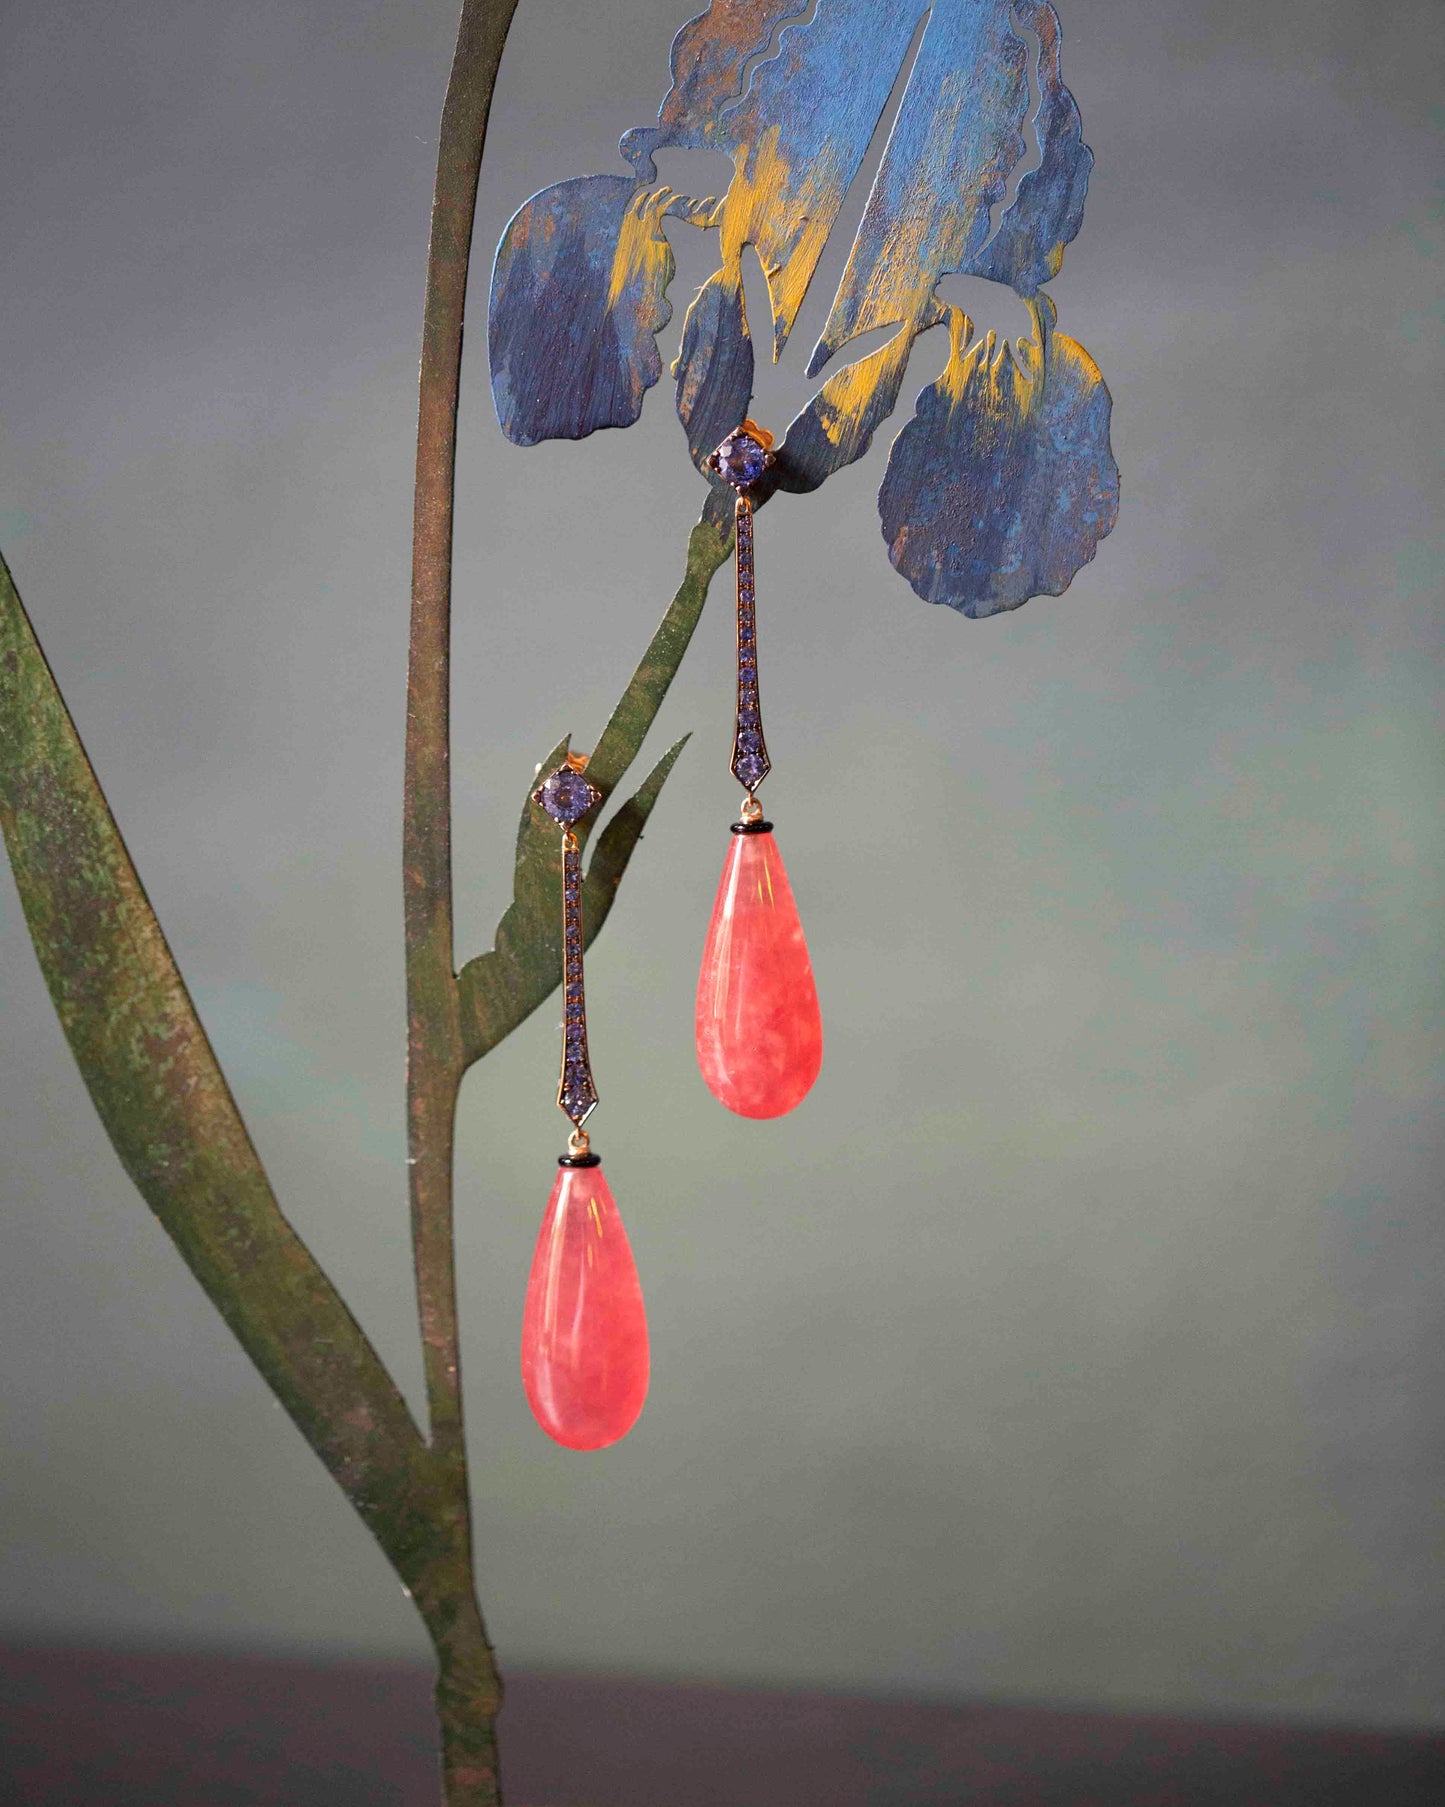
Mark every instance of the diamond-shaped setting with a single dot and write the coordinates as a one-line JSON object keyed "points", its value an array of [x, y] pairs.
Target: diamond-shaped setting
{"points": [[566, 795]]}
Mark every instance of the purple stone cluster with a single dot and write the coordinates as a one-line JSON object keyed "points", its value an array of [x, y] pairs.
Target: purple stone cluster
{"points": [[576, 1095], [566, 795], [740, 460], [750, 763]]}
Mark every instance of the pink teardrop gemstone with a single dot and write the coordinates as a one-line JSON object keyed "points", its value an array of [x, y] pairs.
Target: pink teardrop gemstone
{"points": [[759, 1033], [584, 1330]]}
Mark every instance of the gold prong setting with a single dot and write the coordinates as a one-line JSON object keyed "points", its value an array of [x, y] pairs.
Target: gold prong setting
{"points": [[744, 457], [566, 795]]}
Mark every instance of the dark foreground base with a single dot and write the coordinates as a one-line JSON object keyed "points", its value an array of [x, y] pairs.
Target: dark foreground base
{"points": [[81, 1729]]}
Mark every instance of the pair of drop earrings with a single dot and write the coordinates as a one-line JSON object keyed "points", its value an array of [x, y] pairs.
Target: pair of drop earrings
{"points": [[585, 1359]]}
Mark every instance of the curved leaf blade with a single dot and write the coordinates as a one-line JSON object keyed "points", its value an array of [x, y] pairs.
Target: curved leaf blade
{"points": [[169, 1113], [501, 988]]}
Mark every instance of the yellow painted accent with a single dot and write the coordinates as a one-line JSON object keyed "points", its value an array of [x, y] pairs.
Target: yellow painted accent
{"points": [[993, 379], [642, 252], [1069, 351], [893, 279], [845, 399], [764, 192]]}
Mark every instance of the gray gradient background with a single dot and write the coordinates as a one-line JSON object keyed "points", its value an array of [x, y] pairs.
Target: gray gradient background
{"points": [[1080, 1337]]}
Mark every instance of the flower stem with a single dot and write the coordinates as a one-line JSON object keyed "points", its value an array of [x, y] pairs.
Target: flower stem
{"points": [[468, 1686]]}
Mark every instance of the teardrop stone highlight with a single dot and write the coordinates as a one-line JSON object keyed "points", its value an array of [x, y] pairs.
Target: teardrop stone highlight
{"points": [[759, 1032], [585, 1361]]}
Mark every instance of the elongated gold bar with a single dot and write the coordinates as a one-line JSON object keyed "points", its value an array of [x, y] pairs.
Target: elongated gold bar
{"points": [[750, 762], [576, 1090]]}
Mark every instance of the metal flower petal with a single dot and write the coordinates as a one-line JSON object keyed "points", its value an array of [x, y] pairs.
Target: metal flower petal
{"points": [[1002, 485], [578, 298], [984, 173]]}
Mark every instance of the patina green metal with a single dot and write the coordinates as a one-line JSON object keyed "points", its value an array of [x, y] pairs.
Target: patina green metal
{"points": [[453, 1020], [155, 1081], [468, 1691], [502, 987], [169, 1112], [167, 1109]]}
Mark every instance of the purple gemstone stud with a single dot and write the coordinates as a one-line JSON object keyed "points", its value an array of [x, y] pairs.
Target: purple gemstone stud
{"points": [[566, 795], [743, 456]]}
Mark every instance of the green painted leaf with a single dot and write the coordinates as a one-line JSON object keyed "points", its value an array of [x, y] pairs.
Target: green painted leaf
{"points": [[167, 1108], [501, 988]]}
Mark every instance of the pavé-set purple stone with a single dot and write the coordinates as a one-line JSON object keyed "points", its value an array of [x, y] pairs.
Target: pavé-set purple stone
{"points": [[576, 1092], [741, 461], [566, 795]]}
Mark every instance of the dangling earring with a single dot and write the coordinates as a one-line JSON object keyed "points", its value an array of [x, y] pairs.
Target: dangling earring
{"points": [[584, 1330], [759, 1033]]}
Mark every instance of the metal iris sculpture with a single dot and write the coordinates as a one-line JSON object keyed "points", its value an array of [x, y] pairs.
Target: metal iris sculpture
{"points": [[1003, 483], [999, 488]]}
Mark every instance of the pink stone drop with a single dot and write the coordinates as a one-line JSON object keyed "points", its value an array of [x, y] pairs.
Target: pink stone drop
{"points": [[584, 1330], [759, 1034]]}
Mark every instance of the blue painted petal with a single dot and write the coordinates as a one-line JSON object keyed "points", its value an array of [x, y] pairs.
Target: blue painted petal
{"points": [[799, 136], [1002, 485], [709, 58], [1048, 209], [578, 296], [715, 367], [954, 143]]}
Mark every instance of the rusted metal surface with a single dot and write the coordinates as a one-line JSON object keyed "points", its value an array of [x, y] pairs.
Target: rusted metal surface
{"points": [[792, 93]]}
